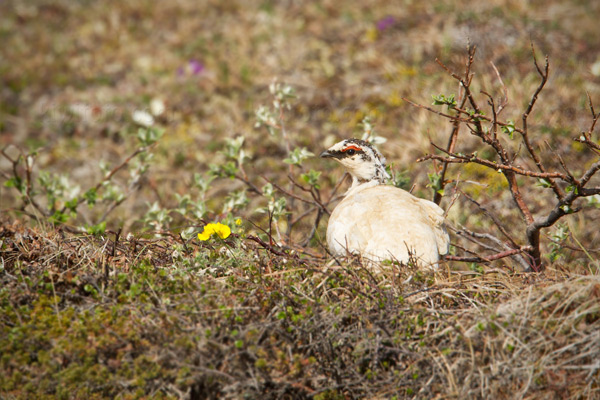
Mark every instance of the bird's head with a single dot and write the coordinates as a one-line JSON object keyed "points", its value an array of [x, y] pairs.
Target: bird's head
{"points": [[363, 161]]}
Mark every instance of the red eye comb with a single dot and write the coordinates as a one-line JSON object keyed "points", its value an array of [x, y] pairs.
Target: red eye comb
{"points": [[351, 147]]}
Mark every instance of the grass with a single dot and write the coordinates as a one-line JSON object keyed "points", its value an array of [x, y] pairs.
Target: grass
{"points": [[159, 320], [122, 301]]}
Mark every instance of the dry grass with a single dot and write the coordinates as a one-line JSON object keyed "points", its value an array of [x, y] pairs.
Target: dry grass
{"points": [[149, 315], [84, 317]]}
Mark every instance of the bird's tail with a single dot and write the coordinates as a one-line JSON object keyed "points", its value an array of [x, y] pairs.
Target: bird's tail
{"points": [[436, 215]]}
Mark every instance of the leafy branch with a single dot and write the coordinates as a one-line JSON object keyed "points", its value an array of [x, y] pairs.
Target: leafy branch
{"points": [[62, 197]]}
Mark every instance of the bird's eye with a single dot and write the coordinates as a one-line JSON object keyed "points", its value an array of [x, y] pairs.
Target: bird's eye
{"points": [[351, 150]]}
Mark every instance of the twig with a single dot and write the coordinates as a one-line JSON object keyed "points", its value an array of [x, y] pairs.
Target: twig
{"points": [[437, 197], [314, 195], [497, 256], [504, 101], [525, 133], [272, 249], [494, 219], [108, 176], [455, 158]]}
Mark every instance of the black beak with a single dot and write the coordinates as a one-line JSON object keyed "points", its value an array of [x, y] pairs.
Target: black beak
{"points": [[327, 154]]}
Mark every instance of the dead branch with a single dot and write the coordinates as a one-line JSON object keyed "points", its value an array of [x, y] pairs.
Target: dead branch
{"points": [[494, 219], [487, 259], [437, 196], [455, 158], [506, 162], [525, 132]]}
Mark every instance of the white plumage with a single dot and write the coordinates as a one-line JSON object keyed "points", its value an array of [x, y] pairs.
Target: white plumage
{"points": [[380, 221]]}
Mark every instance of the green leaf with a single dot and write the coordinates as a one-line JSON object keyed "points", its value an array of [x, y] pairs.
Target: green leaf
{"points": [[72, 204], [90, 197], [298, 155], [268, 190], [149, 136], [17, 183], [234, 151], [572, 188], [227, 170], [96, 230], [89, 288], [594, 200], [312, 178], [509, 129], [202, 182], [235, 200], [441, 100], [545, 183], [265, 117], [473, 114], [400, 179], [58, 218], [435, 181], [567, 209]]}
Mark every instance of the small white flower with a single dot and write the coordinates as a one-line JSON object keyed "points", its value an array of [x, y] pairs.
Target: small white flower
{"points": [[143, 118], [157, 106]]}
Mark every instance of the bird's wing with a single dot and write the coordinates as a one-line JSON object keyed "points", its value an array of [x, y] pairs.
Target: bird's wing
{"points": [[424, 211], [435, 214]]}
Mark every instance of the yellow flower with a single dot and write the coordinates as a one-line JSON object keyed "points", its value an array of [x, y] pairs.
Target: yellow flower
{"points": [[221, 230], [238, 221], [205, 235]]}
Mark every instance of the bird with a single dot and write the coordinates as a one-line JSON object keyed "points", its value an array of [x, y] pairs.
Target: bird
{"points": [[379, 221]]}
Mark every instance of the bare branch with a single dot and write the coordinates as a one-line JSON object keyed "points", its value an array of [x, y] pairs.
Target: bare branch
{"points": [[472, 236], [494, 219], [564, 167], [589, 173], [506, 160], [316, 199], [504, 101], [455, 158], [448, 116], [525, 134], [492, 105], [475, 236], [437, 197], [497, 256], [586, 137]]}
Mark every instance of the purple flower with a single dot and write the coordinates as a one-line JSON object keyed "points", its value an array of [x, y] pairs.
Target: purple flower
{"points": [[196, 67], [385, 23]]}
